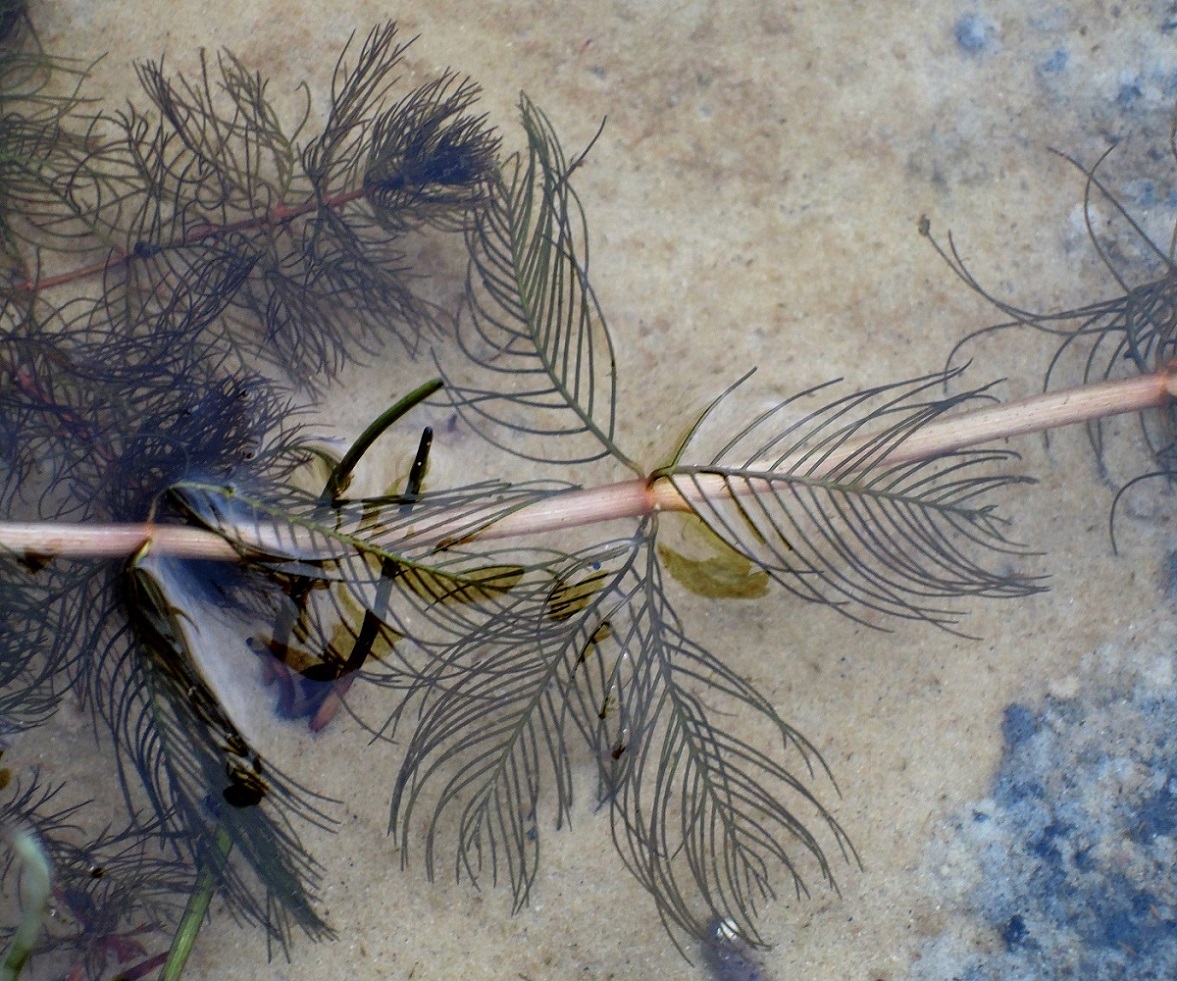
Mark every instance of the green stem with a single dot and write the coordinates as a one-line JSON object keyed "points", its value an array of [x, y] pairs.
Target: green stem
{"points": [[35, 879], [196, 910], [341, 475]]}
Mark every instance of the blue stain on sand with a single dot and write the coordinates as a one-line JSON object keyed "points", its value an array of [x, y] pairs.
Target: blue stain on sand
{"points": [[1068, 869], [975, 34]]}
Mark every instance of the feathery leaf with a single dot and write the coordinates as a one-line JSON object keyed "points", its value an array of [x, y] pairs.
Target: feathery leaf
{"points": [[543, 374], [811, 498]]}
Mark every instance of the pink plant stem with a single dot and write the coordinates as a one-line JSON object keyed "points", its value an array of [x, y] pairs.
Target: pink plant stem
{"points": [[637, 498], [59, 539], [1035, 414], [278, 215]]}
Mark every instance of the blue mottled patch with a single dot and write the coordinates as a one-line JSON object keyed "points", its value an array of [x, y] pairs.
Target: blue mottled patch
{"points": [[1018, 724], [1129, 93], [1072, 874], [1170, 580], [1014, 932], [974, 33], [1055, 62]]}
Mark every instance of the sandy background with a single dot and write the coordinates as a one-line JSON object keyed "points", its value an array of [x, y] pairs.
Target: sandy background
{"points": [[754, 200]]}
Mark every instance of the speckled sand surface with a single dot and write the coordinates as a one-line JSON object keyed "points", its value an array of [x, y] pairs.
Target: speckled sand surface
{"points": [[754, 200]]}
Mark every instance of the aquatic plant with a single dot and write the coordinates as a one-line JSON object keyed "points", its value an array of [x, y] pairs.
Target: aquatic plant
{"points": [[204, 231], [1128, 335], [180, 550]]}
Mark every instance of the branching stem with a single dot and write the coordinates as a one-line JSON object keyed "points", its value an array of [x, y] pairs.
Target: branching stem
{"points": [[635, 498], [280, 214]]}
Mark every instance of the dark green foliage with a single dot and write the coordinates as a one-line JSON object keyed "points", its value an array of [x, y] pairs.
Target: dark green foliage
{"points": [[115, 894], [34, 604], [538, 353], [311, 228], [590, 653], [220, 243], [429, 160], [240, 259], [1133, 332], [521, 663], [863, 534], [49, 176]]}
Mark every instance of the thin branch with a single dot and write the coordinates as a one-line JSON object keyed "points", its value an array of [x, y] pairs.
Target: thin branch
{"points": [[280, 214], [637, 498]]}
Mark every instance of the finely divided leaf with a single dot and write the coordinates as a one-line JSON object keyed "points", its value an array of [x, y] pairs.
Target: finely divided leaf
{"points": [[825, 503], [1133, 332], [706, 818], [542, 377], [494, 714], [706, 821]]}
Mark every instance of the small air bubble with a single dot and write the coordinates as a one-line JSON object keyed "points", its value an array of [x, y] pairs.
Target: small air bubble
{"points": [[726, 931]]}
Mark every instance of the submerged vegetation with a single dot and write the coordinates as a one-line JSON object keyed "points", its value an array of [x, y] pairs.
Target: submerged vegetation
{"points": [[181, 281]]}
